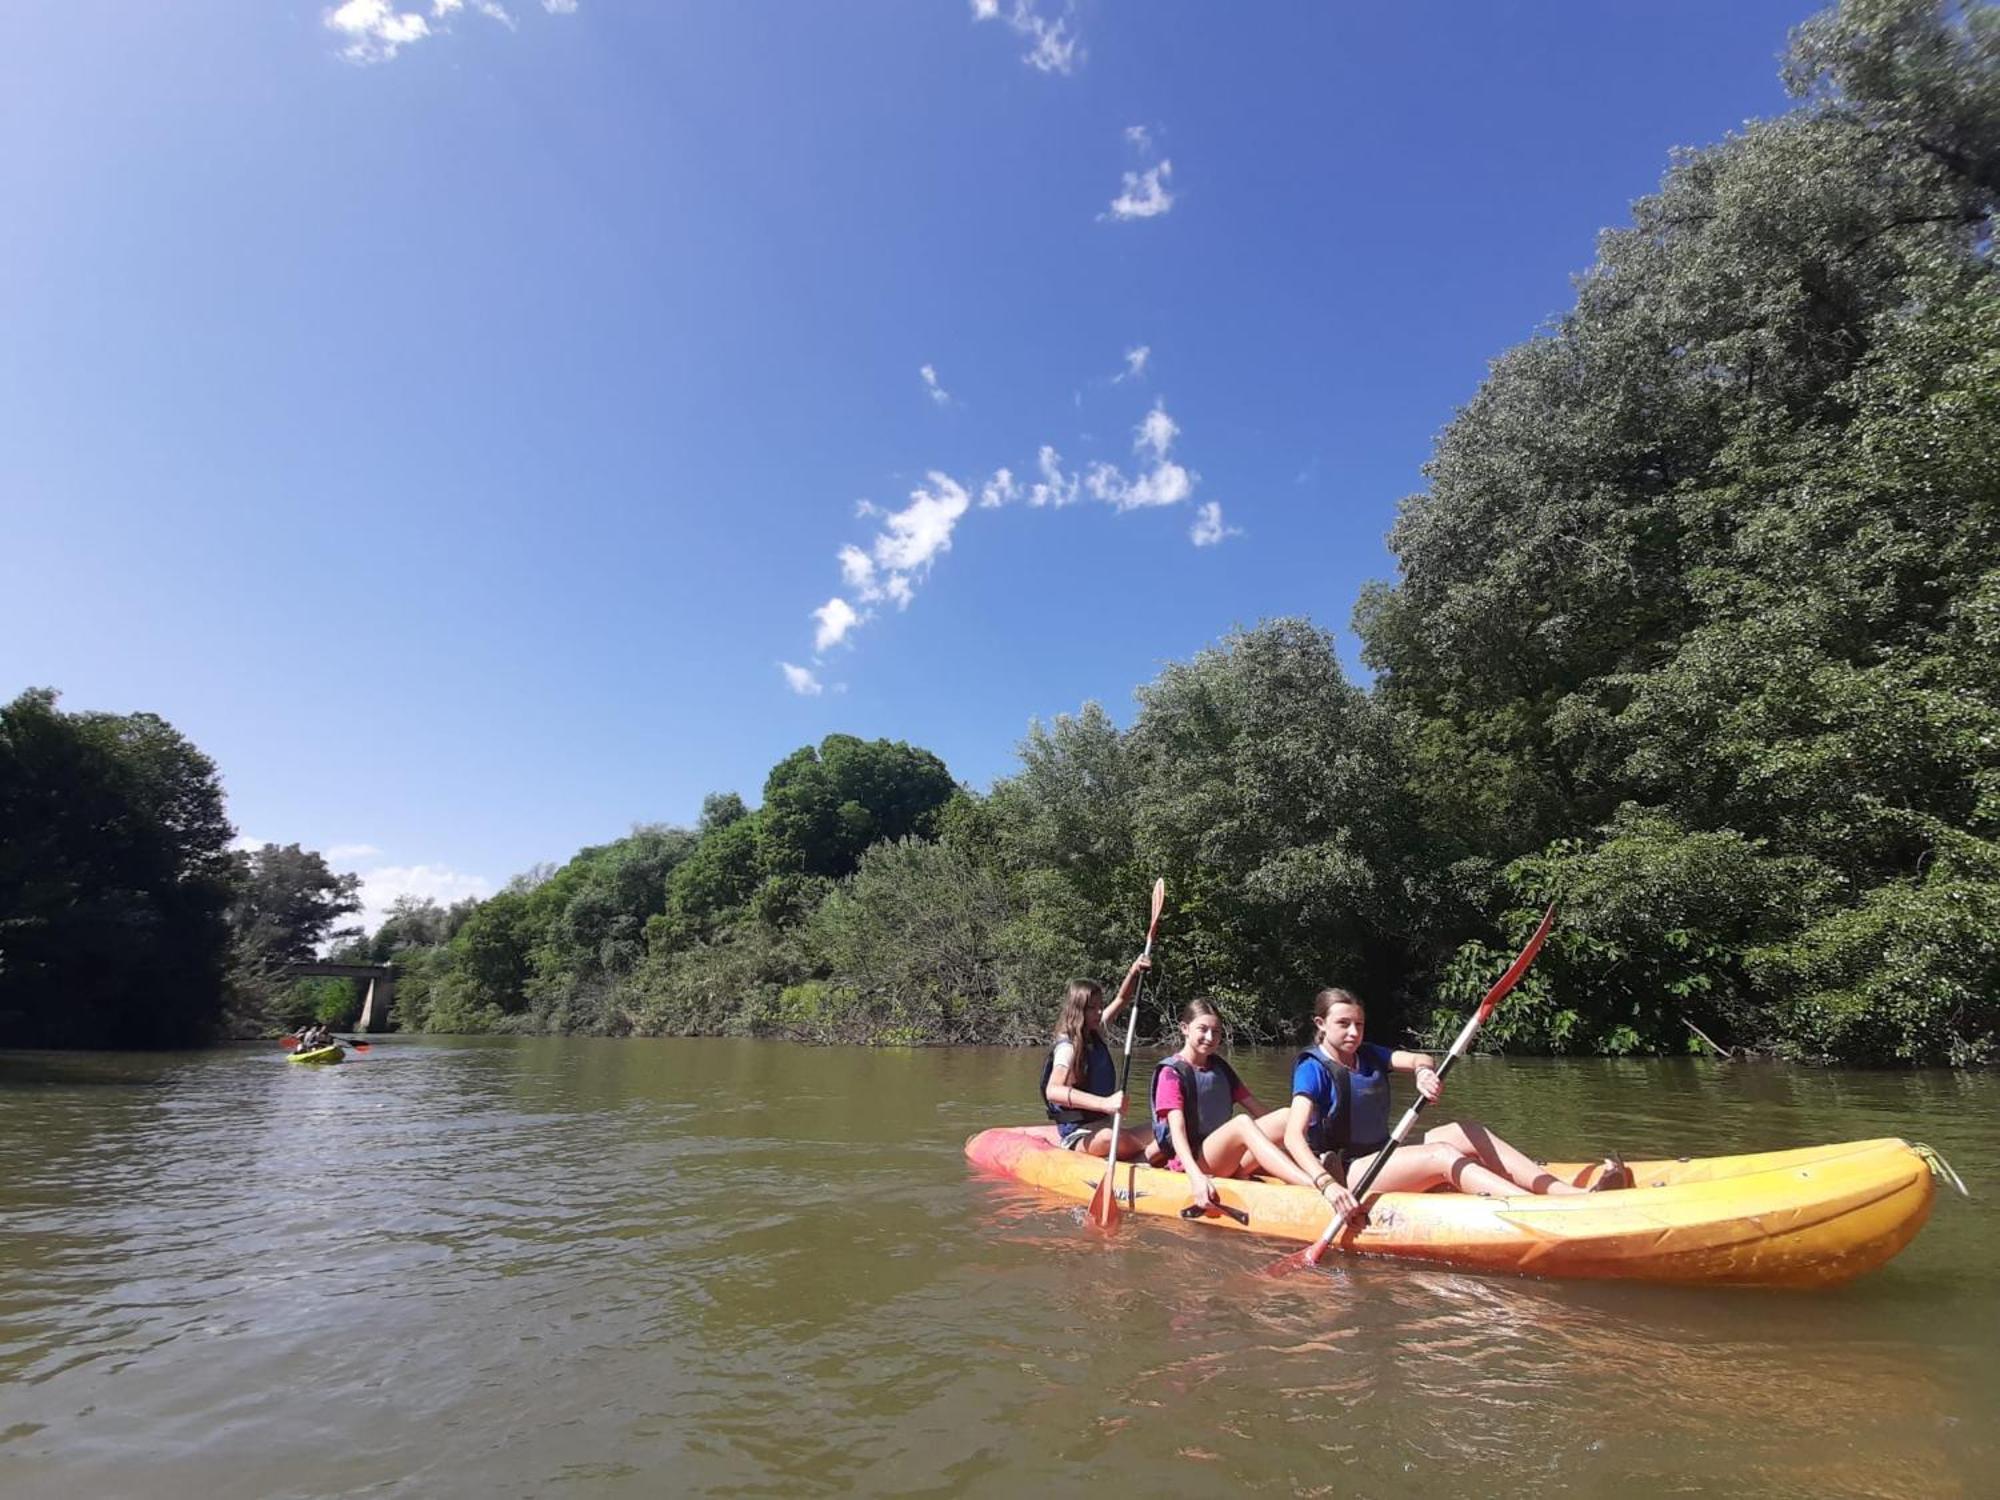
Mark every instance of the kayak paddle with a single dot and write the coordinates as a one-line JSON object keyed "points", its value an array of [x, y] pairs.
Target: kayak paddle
{"points": [[1311, 1254], [1104, 1208]]}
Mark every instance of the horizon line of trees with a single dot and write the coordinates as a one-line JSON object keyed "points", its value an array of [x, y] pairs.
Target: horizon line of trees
{"points": [[1695, 629]]}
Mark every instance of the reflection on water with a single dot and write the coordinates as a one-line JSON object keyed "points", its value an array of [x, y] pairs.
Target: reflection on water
{"points": [[608, 1268]]}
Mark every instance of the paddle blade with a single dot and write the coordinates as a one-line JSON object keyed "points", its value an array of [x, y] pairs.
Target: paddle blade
{"points": [[1285, 1265], [1159, 905], [1516, 969], [1104, 1209], [359, 1046], [288, 1042]]}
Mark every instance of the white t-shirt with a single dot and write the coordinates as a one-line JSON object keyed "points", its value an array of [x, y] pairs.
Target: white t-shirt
{"points": [[1065, 1055]]}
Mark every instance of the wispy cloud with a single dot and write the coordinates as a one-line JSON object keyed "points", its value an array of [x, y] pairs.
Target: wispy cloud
{"points": [[374, 31], [1054, 46], [1208, 530], [1146, 195], [1135, 364], [1140, 137], [371, 31], [897, 559], [936, 392], [836, 617], [382, 887], [1161, 482], [801, 680], [998, 490], [1054, 487]]}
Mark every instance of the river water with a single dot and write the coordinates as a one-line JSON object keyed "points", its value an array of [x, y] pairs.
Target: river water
{"points": [[589, 1268]]}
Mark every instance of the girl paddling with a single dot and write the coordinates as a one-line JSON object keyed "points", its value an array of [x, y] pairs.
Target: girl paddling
{"points": [[1195, 1094], [1080, 1080], [1339, 1119]]}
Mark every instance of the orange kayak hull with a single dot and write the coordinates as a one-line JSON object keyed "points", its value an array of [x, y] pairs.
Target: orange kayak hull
{"points": [[1811, 1217]]}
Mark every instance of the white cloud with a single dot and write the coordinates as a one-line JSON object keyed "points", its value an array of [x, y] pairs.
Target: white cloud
{"points": [[1135, 364], [1208, 530], [1055, 49], [1055, 487], [1156, 433], [857, 570], [1140, 137], [836, 617], [998, 490], [372, 32], [914, 535], [1145, 195], [801, 681], [351, 851], [381, 888], [559, 7], [1163, 484], [937, 392]]}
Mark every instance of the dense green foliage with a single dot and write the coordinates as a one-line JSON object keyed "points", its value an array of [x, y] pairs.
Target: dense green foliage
{"points": [[1696, 628], [1697, 620], [114, 880]]}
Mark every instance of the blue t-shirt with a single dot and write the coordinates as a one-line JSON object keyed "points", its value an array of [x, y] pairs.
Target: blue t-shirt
{"points": [[1314, 1079]]}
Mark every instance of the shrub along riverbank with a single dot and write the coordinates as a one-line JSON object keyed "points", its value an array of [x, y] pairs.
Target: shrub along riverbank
{"points": [[1695, 627]]}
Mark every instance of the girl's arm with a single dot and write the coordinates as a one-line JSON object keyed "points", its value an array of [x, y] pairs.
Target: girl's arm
{"points": [[1424, 1066], [1063, 1096], [1297, 1121], [1127, 988], [1198, 1183]]}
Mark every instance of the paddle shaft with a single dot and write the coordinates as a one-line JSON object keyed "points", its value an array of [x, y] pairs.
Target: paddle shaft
{"points": [[1125, 1079]]}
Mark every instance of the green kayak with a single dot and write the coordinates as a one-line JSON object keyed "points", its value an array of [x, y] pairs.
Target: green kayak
{"points": [[329, 1054]]}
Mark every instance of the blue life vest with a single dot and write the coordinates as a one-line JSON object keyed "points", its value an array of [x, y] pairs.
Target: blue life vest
{"points": [[1213, 1091], [1358, 1123], [1100, 1076]]}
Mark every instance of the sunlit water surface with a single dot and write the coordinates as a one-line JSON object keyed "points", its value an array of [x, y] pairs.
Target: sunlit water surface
{"points": [[608, 1268]]}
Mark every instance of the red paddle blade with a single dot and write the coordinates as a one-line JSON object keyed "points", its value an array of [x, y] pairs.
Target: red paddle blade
{"points": [[1285, 1265], [288, 1042], [1519, 967], [359, 1046], [1104, 1209]]}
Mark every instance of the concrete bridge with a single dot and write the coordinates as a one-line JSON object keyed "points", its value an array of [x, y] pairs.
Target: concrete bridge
{"points": [[381, 988]]}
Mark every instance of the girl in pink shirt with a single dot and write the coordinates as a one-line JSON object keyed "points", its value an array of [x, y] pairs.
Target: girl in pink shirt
{"points": [[1203, 1133]]}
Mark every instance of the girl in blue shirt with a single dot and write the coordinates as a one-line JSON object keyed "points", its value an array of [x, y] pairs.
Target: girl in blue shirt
{"points": [[1340, 1118]]}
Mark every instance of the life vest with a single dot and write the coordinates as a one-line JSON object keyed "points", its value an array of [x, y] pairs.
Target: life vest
{"points": [[1213, 1091], [1100, 1076], [1358, 1123]]}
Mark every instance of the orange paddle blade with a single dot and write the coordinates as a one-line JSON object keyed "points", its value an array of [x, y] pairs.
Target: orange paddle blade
{"points": [[1104, 1209]]}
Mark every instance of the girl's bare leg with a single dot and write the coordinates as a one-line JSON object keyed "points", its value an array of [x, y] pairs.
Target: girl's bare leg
{"points": [[1242, 1142], [1497, 1156], [1417, 1169]]}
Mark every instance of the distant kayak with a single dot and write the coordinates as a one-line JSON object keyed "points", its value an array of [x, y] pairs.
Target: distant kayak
{"points": [[1811, 1217], [320, 1055]]}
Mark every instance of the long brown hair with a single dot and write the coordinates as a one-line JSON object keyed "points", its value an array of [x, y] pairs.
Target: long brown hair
{"points": [[1073, 1025]]}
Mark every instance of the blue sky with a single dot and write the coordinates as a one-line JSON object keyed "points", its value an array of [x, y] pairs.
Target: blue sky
{"points": [[484, 426]]}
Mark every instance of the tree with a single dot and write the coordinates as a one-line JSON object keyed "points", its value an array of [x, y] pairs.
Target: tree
{"points": [[823, 807], [285, 903], [1707, 569], [1275, 792], [114, 877]]}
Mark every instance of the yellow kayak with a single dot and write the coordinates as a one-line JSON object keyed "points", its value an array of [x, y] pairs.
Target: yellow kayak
{"points": [[1817, 1216], [320, 1055]]}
